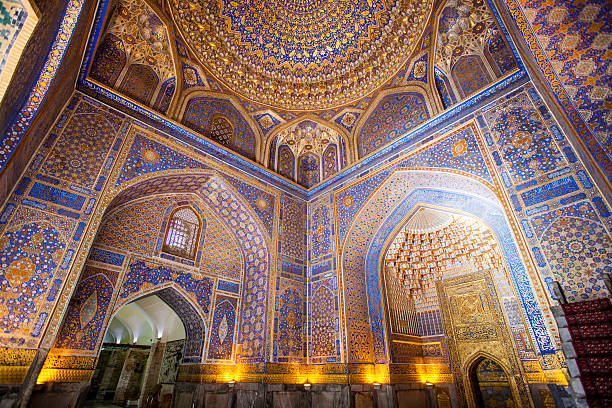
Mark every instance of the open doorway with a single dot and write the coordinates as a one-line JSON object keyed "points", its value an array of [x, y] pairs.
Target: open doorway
{"points": [[140, 355], [490, 385]]}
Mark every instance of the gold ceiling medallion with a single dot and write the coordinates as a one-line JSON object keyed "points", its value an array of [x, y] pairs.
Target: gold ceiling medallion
{"points": [[302, 54]]}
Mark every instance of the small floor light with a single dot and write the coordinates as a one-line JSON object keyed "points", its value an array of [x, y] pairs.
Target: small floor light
{"points": [[307, 386], [231, 384], [376, 386]]}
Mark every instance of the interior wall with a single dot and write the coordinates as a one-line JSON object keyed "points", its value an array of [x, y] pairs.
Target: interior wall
{"points": [[63, 63], [118, 154], [299, 296], [44, 203], [537, 184]]}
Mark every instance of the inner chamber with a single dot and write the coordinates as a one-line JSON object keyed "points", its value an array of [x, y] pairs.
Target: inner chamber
{"points": [[431, 246]]}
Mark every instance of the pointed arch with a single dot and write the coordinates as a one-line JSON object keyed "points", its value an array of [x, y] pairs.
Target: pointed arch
{"points": [[342, 132], [243, 122], [472, 383], [385, 209], [190, 314], [420, 93]]}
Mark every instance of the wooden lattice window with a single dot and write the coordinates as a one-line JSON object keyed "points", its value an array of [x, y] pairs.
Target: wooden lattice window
{"points": [[221, 131], [182, 233]]}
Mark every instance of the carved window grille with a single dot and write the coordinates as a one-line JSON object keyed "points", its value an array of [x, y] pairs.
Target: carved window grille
{"points": [[182, 233], [222, 131]]}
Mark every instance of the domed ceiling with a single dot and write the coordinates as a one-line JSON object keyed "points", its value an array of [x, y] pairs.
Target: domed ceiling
{"points": [[245, 74], [301, 54]]}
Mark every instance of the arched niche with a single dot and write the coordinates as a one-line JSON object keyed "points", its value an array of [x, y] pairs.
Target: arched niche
{"points": [[250, 313], [393, 113], [308, 136], [381, 214], [199, 109], [487, 378], [136, 54]]}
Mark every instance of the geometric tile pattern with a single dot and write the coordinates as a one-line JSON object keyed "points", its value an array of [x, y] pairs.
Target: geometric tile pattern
{"points": [[76, 333], [579, 252], [82, 146], [323, 325], [142, 275], [148, 156], [255, 247], [320, 239], [577, 39], [222, 331], [393, 117], [29, 255], [291, 324], [135, 228], [293, 230], [526, 143], [262, 202], [164, 97], [459, 151]]}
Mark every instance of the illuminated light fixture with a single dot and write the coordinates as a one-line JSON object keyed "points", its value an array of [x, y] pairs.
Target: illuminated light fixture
{"points": [[231, 383], [307, 386], [429, 384], [376, 385]]}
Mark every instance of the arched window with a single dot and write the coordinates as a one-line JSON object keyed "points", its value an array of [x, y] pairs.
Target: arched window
{"points": [[182, 233], [222, 131]]}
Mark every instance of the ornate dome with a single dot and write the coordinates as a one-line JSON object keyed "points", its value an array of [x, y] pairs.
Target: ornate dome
{"points": [[301, 54]]}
